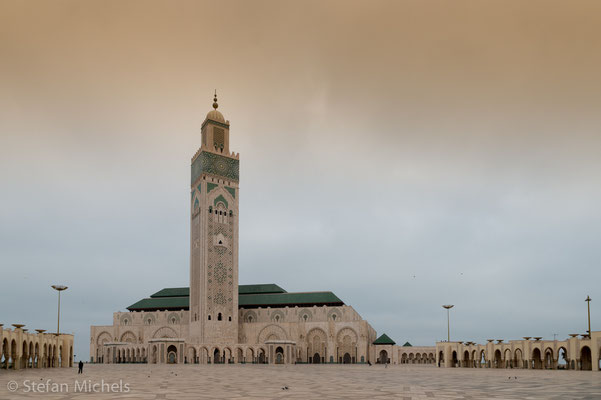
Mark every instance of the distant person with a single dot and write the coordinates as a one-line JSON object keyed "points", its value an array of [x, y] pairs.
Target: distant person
{"points": [[80, 371]]}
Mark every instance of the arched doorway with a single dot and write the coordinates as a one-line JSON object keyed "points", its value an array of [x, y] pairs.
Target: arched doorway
{"points": [[498, 360], [262, 356], [549, 364], [5, 354], [383, 359], [440, 358], [250, 355], [216, 357], [517, 359], [586, 363], [346, 358], [455, 362], [466, 359], [172, 355], [279, 355], [191, 359], [153, 355], [537, 362], [316, 358], [562, 359]]}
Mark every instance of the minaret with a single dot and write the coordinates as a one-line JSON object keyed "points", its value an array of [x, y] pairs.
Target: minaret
{"points": [[214, 235]]}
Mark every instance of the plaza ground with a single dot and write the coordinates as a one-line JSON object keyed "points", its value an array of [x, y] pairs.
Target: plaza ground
{"points": [[303, 381]]}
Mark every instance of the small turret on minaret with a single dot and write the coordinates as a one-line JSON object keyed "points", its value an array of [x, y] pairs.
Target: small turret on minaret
{"points": [[215, 131]]}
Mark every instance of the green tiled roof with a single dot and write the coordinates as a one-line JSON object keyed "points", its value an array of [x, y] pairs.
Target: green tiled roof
{"points": [[161, 303], [407, 344], [289, 299], [242, 289], [384, 339], [173, 292], [262, 288], [250, 296]]}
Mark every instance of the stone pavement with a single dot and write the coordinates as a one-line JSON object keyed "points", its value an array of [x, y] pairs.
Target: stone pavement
{"points": [[183, 382]]}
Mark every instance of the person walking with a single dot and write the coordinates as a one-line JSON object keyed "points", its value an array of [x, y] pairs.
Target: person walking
{"points": [[80, 371]]}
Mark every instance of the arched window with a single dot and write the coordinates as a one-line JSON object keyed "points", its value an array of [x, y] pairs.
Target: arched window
{"points": [[333, 317], [305, 317], [231, 213], [219, 317], [209, 317], [210, 209], [277, 318], [250, 318], [229, 318]]}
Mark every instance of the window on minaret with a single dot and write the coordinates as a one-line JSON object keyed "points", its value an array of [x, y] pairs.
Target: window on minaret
{"points": [[218, 138], [221, 213]]}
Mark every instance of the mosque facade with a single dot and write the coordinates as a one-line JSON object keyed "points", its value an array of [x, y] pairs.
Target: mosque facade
{"points": [[216, 320]]}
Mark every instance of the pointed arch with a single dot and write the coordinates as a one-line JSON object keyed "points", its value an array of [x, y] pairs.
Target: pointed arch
{"points": [[128, 337], [165, 332], [271, 331]]}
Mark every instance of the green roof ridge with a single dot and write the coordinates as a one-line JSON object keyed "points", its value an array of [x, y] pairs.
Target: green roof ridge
{"points": [[407, 344], [384, 339], [172, 298]]}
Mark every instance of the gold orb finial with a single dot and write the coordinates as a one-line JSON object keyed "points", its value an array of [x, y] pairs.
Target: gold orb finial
{"points": [[215, 105]]}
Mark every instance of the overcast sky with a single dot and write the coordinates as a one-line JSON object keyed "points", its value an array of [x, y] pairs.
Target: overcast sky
{"points": [[402, 154]]}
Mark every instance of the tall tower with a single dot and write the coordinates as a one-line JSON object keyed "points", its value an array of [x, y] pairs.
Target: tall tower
{"points": [[214, 235]]}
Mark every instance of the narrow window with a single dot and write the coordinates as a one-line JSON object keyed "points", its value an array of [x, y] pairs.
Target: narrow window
{"points": [[219, 317], [209, 317], [229, 318]]}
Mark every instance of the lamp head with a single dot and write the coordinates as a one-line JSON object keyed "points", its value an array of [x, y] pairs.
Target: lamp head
{"points": [[448, 306], [60, 288]]}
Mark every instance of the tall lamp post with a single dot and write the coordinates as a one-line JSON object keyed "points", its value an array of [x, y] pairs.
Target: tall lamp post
{"points": [[59, 289], [448, 307], [588, 303]]}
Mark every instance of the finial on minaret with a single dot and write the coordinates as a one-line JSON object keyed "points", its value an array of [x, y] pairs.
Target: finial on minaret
{"points": [[215, 105]]}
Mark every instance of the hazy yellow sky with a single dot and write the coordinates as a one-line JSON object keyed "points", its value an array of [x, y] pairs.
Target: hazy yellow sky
{"points": [[457, 141]]}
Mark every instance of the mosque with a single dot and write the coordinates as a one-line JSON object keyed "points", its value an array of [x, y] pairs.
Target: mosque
{"points": [[216, 320]]}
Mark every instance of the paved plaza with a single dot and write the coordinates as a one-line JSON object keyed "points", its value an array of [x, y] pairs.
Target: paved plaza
{"points": [[184, 382]]}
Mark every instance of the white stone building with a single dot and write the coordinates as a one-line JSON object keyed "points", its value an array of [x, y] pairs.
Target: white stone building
{"points": [[215, 320]]}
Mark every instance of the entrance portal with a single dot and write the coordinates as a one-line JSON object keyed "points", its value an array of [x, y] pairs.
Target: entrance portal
{"points": [[172, 355], [279, 355], [383, 359]]}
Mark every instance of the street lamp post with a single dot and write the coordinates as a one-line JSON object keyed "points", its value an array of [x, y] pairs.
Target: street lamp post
{"points": [[59, 289], [448, 307], [588, 303]]}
